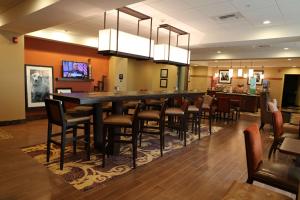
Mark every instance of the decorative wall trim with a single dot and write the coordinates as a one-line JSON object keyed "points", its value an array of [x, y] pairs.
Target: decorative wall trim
{"points": [[201, 76], [12, 122]]}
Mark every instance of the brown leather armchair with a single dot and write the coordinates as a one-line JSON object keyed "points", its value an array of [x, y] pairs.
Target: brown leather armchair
{"points": [[265, 114], [275, 174]]}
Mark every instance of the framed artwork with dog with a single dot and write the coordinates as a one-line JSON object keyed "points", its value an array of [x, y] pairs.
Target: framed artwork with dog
{"points": [[39, 84]]}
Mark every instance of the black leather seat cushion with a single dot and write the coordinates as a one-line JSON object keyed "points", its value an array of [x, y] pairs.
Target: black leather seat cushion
{"points": [[279, 175]]}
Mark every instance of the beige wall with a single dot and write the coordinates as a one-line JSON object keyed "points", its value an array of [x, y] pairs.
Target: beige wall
{"points": [[12, 101], [274, 74], [139, 75], [199, 78], [117, 66]]}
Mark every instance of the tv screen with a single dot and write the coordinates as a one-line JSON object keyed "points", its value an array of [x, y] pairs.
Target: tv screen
{"points": [[72, 69]]}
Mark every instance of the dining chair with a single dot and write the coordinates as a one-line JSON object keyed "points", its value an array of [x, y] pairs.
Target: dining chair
{"points": [[120, 121], [279, 133], [157, 117], [279, 175], [56, 116]]}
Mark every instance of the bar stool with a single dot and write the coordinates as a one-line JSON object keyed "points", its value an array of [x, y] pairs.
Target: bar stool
{"points": [[235, 104], [121, 121], [153, 104], [57, 116], [180, 116], [195, 111], [208, 107], [154, 116]]}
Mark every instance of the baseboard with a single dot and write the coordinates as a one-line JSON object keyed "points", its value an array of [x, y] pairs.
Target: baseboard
{"points": [[12, 122]]}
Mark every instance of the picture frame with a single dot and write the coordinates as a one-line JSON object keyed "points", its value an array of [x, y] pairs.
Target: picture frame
{"points": [[163, 83], [163, 73], [258, 75], [38, 85], [63, 90], [224, 77]]}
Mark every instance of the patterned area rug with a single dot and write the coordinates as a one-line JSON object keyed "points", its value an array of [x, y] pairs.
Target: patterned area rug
{"points": [[4, 135], [84, 175]]}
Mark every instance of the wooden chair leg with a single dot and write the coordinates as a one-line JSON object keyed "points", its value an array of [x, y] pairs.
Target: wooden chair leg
{"points": [[62, 148], [74, 139], [104, 145], [49, 140], [87, 127], [134, 151], [209, 124], [161, 138]]}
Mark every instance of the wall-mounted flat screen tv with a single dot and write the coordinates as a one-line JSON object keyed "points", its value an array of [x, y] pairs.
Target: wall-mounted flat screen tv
{"points": [[71, 69]]}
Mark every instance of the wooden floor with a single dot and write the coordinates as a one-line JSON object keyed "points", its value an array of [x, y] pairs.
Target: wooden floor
{"points": [[203, 170]]}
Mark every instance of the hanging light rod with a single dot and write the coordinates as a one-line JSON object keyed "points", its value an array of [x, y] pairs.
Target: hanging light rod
{"points": [[134, 13], [169, 54], [113, 42], [173, 29]]}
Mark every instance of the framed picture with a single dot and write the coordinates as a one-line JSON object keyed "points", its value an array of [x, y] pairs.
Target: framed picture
{"points": [[39, 84], [163, 83], [163, 73], [224, 77], [258, 76], [64, 90]]}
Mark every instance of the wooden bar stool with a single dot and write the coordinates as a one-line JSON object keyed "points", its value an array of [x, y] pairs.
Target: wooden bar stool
{"points": [[195, 110], [57, 116], [154, 116], [235, 104], [125, 122], [180, 122]]}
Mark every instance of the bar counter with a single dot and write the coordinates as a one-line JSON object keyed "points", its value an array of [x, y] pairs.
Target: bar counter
{"points": [[249, 102]]}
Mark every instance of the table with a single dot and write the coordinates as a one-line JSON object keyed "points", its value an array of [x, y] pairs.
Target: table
{"points": [[290, 146], [240, 191], [287, 113], [97, 98]]}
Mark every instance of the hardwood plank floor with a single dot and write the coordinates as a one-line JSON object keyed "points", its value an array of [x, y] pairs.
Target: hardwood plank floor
{"points": [[203, 170]]}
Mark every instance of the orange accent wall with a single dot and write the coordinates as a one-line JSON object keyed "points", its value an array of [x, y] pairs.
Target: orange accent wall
{"points": [[51, 53]]}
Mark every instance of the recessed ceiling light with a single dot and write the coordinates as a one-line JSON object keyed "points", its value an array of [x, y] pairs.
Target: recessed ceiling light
{"points": [[219, 51], [289, 59], [267, 22], [286, 48]]}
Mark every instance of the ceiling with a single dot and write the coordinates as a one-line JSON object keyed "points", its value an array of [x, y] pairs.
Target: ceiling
{"points": [[240, 37], [256, 63]]}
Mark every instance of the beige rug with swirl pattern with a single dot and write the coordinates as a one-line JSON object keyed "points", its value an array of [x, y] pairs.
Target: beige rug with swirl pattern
{"points": [[84, 175]]}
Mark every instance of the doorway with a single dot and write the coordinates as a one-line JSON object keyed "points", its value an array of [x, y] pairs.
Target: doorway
{"points": [[291, 91]]}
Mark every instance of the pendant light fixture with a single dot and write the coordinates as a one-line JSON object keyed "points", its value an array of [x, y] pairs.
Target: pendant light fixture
{"points": [[240, 70], [118, 43], [245, 74], [230, 71], [251, 71], [169, 54], [263, 73]]}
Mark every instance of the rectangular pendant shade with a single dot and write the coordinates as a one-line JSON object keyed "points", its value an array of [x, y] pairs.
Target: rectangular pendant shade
{"points": [[124, 44], [178, 56], [251, 72], [240, 72]]}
